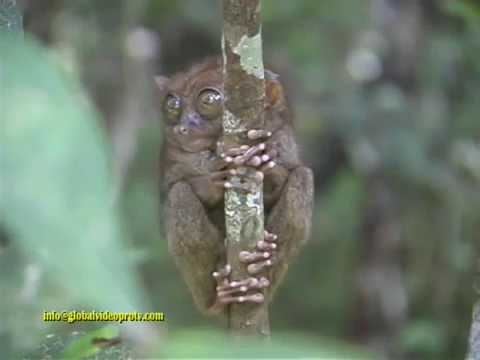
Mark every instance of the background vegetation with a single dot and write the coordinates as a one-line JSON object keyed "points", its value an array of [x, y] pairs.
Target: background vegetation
{"points": [[385, 96]]}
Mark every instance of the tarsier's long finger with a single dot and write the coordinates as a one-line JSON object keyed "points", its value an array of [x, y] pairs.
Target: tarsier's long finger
{"points": [[222, 274], [263, 245], [255, 268], [257, 298], [268, 166], [235, 151], [264, 159], [253, 150], [219, 178], [258, 134], [243, 285], [249, 257], [248, 282], [270, 237]]}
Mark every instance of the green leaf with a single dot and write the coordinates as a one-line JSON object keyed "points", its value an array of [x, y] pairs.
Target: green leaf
{"points": [[210, 344], [87, 345], [10, 16], [56, 193]]}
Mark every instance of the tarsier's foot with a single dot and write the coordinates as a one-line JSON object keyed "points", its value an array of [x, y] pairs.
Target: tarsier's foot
{"points": [[249, 289], [239, 291], [263, 256]]}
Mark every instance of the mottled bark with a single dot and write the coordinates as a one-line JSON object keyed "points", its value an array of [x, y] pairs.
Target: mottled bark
{"points": [[244, 89], [474, 340]]}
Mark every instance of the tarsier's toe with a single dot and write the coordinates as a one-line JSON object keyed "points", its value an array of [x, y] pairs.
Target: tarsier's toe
{"points": [[236, 291], [222, 273], [248, 257], [258, 134], [269, 242], [258, 267], [257, 298]]}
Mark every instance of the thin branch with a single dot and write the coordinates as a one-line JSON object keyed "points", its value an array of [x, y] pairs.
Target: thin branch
{"points": [[244, 89]]}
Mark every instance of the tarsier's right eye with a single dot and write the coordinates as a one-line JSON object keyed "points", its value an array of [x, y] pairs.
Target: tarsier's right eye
{"points": [[172, 107]]}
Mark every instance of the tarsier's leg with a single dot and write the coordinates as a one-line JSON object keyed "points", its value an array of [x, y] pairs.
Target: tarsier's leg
{"points": [[290, 219], [195, 243]]}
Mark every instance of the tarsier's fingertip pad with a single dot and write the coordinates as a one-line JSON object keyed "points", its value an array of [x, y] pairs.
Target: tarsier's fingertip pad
{"points": [[264, 282], [257, 298], [255, 161]]}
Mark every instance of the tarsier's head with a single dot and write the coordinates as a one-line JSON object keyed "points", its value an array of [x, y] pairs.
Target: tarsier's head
{"points": [[192, 104]]}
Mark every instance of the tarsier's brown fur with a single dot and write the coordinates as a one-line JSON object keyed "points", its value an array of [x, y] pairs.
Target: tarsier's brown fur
{"points": [[194, 206]]}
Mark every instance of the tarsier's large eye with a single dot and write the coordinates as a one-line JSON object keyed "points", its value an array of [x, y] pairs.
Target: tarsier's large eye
{"points": [[209, 103], [172, 107]]}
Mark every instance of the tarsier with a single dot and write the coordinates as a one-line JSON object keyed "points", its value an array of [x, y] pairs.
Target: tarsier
{"points": [[195, 171]]}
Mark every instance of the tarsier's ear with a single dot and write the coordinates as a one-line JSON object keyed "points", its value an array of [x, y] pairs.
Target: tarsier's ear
{"points": [[273, 90], [162, 82]]}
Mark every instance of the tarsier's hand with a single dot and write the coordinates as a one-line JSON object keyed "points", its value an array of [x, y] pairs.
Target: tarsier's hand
{"points": [[249, 289], [260, 156]]}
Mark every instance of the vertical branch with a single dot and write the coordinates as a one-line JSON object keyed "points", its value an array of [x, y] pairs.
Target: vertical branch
{"points": [[244, 89], [474, 340]]}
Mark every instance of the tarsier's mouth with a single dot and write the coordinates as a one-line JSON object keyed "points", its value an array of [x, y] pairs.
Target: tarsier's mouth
{"points": [[194, 146]]}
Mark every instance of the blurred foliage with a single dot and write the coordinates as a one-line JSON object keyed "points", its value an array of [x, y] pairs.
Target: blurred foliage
{"points": [[68, 234], [71, 239], [10, 16], [205, 343]]}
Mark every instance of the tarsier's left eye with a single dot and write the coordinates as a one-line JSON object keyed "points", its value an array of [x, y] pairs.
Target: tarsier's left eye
{"points": [[209, 103], [172, 107]]}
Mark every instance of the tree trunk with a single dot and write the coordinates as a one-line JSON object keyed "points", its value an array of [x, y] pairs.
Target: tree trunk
{"points": [[244, 89]]}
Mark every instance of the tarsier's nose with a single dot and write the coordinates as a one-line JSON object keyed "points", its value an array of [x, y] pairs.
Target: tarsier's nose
{"points": [[188, 123], [182, 130]]}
